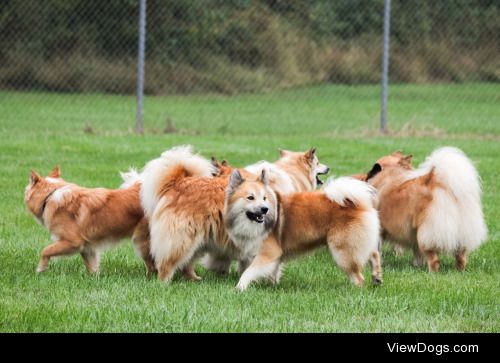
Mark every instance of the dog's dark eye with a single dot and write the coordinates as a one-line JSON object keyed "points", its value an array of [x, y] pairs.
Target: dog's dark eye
{"points": [[264, 198], [251, 197]]}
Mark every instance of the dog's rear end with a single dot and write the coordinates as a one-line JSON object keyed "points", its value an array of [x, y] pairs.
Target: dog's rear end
{"points": [[356, 243], [454, 222], [435, 208]]}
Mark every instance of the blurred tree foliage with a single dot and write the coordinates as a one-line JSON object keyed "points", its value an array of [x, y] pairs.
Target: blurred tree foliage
{"points": [[193, 32]]}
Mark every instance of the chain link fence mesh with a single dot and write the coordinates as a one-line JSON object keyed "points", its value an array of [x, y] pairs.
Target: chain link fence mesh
{"points": [[232, 47]]}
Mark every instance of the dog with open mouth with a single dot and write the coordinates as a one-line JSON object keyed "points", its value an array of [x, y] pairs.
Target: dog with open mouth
{"points": [[341, 215], [190, 211], [85, 220], [292, 172], [433, 209]]}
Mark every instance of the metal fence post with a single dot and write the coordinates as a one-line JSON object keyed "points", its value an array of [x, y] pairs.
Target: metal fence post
{"points": [[385, 66], [140, 66]]}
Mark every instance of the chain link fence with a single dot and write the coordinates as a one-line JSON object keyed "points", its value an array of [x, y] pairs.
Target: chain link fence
{"points": [[232, 47]]}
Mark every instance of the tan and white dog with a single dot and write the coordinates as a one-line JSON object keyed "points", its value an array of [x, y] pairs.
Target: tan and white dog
{"points": [[189, 211], [341, 216], [292, 172], [83, 220], [433, 209]]}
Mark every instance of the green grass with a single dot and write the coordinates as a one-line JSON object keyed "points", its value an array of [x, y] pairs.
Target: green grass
{"points": [[41, 130]]}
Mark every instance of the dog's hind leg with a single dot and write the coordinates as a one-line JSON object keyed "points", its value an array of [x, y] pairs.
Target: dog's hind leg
{"points": [[59, 248], [376, 265], [180, 254], [264, 265], [344, 253], [461, 258], [432, 260], [189, 272], [141, 241], [345, 260], [90, 259]]}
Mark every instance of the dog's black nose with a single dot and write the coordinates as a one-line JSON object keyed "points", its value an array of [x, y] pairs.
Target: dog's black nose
{"points": [[264, 210], [327, 170]]}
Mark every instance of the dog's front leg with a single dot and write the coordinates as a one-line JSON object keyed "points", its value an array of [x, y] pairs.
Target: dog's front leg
{"points": [[264, 265], [91, 259], [59, 248]]}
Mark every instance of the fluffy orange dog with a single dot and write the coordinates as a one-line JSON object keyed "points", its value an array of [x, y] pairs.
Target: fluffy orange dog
{"points": [[433, 209], [341, 215], [189, 213], [83, 220]]}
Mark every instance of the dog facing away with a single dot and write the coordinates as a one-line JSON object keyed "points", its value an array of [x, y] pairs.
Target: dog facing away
{"points": [[292, 172], [341, 216], [433, 209], [185, 205], [83, 220]]}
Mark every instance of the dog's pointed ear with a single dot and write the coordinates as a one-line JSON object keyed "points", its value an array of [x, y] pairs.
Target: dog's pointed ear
{"points": [[406, 160], [263, 177], [283, 152], [235, 180], [56, 172], [214, 162], [310, 154], [216, 165], [375, 170], [34, 177], [224, 162]]}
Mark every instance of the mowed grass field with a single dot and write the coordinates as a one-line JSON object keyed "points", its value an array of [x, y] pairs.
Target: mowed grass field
{"points": [[40, 130]]}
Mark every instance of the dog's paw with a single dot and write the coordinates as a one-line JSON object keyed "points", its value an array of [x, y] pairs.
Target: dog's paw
{"points": [[41, 269], [241, 286], [195, 278]]}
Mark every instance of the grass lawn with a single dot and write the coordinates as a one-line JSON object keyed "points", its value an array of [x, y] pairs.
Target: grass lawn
{"points": [[39, 130]]}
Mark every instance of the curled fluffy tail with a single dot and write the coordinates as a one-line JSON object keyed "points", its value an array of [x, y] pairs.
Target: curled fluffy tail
{"points": [[345, 189], [453, 169], [173, 164], [130, 178]]}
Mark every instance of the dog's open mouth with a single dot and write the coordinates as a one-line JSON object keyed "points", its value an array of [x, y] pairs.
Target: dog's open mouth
{"points": [[318, 180], [256, 217]]}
